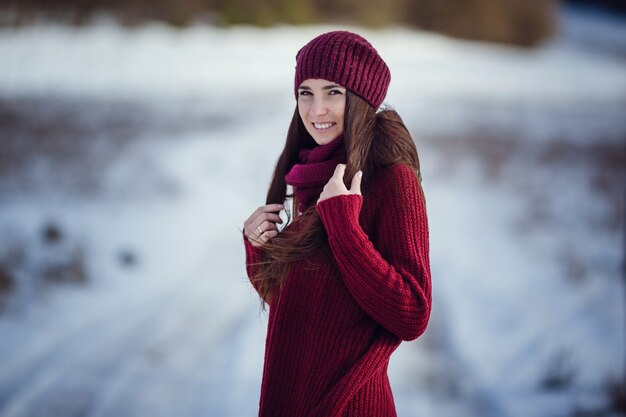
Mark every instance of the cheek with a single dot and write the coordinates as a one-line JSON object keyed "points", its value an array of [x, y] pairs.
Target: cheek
{"points": [[340, 114], [340, 108], [302, 111]]}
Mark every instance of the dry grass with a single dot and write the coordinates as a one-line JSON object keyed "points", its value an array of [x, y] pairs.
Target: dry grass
{"points": [[506, 161], [510, 21], [54, 144], [58, 135]]}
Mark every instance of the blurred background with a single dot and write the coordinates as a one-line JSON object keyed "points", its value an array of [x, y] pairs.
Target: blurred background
{"points": [[136, 137]]}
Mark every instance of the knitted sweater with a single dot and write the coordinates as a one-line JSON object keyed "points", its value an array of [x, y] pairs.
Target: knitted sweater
{"points": [[337, 320]]}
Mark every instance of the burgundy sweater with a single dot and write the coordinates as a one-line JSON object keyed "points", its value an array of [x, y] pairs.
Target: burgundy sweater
{"points": [[338, 319]]}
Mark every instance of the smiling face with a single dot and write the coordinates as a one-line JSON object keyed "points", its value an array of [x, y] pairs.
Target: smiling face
{"points": [[322, 104]]}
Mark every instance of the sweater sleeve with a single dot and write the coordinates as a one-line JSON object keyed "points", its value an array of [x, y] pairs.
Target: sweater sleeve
{"points": [[390, 279], [254, 256]]}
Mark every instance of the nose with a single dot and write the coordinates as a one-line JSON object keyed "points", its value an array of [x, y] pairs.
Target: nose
{"points": [[318, 108]]}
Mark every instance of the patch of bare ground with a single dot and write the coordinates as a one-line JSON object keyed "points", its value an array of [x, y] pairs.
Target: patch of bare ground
{"points": [[59, 134], [567, 190], [537, 170], [68, 143]]}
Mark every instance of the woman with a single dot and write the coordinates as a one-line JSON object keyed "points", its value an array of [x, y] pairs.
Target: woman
{"points": [[348, 278]]}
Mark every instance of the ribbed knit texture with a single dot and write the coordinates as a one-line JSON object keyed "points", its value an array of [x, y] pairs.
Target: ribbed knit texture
{"points": [[347, 59], [338, 319], [314, 168]]}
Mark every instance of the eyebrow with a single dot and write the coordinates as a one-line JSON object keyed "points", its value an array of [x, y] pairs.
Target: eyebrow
{"points": [[326, 87]]}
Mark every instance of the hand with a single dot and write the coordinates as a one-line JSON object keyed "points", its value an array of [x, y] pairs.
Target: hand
{"points": [[335, 186], [261, 225]]}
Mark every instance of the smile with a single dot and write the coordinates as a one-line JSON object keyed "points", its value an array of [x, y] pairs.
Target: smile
{"points": [[323, 126]]}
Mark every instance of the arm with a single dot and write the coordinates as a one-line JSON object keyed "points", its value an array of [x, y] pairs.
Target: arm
{"points": [[254, 256], [259, 227], [391, 282]]}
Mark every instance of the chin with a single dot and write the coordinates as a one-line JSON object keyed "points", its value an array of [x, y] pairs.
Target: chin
{"points": [[325, 138]]}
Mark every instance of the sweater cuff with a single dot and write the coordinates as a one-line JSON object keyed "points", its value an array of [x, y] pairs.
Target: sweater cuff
{"points": [[254, 255], [340, 211]]}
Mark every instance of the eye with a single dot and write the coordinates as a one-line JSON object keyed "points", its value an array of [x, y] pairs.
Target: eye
{"points": [[304, 93], [335, 92]]}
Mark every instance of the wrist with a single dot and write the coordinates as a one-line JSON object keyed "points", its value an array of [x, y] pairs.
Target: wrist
{"points": [[340, 211]]}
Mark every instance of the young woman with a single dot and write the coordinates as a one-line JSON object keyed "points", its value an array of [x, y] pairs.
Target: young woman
{"points": [[348, 277]]}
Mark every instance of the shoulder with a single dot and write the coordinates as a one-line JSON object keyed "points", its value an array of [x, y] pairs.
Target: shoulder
{"points": [[395, 177], [393, 186], [394, 202]]}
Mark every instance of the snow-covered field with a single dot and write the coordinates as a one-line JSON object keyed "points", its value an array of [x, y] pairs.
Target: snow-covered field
{"points": [[129, 159]]}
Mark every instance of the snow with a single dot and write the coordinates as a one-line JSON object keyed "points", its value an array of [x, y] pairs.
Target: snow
{"points": [[525, 252]]}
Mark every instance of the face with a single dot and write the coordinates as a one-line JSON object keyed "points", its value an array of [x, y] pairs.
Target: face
{"points": [[322, 104]]}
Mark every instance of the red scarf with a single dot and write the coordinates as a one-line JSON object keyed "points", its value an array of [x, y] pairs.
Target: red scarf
{"points": [[313, 170]]}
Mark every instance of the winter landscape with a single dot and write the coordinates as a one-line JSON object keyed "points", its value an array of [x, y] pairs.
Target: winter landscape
{"points": [[130, 157]]}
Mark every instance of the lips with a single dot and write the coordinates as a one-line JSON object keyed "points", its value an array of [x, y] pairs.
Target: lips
{"points": [[323, 126]]}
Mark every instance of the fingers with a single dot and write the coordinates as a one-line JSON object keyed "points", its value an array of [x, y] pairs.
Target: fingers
{"points": [[265, 226], [266, 212], [267, 216], [257, 231], [355, 186], [267, 236], [261, 225], [266, 209], [264, 232], [336, 186]]}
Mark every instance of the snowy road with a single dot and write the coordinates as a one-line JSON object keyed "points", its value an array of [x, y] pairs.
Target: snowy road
{"points": [[145, 351]]}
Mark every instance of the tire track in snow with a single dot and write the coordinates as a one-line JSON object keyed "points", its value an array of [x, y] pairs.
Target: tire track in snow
{"points": [[68, 377], [85, 353], [32, 359], [204, 377]]}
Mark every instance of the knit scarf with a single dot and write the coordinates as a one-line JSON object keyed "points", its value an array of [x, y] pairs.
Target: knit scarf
{"points": [[314, 169]]}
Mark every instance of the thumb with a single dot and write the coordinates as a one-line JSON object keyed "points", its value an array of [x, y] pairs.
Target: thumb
{"points": [[340, 170], [355, 186]]}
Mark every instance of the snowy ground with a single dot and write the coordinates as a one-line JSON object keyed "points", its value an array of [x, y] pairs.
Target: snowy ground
{"points": [[130, 158]]}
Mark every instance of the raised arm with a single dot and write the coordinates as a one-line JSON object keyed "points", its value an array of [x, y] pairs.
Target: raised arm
{"points": [[389, 278]]}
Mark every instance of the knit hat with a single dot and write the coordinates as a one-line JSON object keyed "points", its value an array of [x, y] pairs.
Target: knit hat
{"points": [[347, 59]]}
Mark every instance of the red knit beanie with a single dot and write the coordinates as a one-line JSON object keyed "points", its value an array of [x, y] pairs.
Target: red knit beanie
{"points": [[347, 59]]}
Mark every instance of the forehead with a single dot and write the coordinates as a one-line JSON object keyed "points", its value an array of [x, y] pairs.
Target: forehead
{"points": [[318, 83]]}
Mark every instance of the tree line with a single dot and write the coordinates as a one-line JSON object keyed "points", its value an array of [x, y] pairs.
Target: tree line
{"points": [[520, 22]]}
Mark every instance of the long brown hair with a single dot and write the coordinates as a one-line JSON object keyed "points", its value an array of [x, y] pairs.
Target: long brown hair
{"points": [[373, 141]]}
